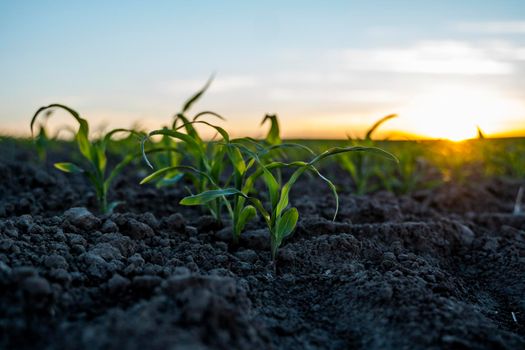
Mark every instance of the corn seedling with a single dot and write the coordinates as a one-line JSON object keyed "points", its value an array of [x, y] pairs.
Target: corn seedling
{"points": [[196, 151], [274, 134], [206, 162], [224, 173], [281, 219], [203, 161], [94, 152], [360, 168], [244, 181], [232, 162], [42, 140]]}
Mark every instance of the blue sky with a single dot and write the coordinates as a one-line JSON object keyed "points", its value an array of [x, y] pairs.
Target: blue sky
{"points": [[326, 67]]}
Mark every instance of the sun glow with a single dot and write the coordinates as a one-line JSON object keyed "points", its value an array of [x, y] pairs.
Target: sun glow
{"points": [[455, 112]]}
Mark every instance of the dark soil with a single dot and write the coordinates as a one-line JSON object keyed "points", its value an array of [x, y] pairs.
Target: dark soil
{"points": [[442, 268]]}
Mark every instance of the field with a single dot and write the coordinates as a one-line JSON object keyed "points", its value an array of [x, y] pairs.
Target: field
{"points": [[234, 244]]}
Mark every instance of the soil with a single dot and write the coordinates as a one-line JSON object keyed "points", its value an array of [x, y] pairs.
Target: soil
{"points": [[439, 269]]}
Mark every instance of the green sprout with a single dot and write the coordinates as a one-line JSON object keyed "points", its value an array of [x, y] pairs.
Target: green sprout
{"points": [[280, 218], [95, 153], [201, 162], [360, 168], [204, 161], [42, 140], [215, 165], [274, 134], [224, 172]]}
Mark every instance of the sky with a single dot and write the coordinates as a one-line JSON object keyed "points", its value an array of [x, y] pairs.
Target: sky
{"points": [[328, 69]]}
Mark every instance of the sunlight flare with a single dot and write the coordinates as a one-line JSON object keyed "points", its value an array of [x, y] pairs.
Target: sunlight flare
{"points": [[455, 112]]}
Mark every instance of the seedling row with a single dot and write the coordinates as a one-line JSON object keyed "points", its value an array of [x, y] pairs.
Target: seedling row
{"points": [[245, 178]]}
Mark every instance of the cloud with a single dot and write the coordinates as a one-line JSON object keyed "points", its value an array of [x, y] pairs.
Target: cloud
{"points": [[220, 84], [436, 57], [492, 27], [329, 96]]}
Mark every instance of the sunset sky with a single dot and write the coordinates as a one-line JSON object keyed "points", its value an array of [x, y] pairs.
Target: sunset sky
{"points": [[327, 68]]}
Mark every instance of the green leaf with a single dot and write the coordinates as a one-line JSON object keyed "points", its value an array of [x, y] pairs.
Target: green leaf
{"points": [[110, 134], [251, 141], [98, 152], [162, 172], [194, 145], [169, 181], [247, 214], [218, 163], [208, 196], [272, 185], [54, 105], [292, 145], [258, 205], [286, 224], [69, 167], [198, 115], [284, 228], [285, 190], [187, 125], [332, 188], [377, 125], [195, 97], [237, 160], [82, 136], [273, 137], [337, 150], [127, 160], [220, 130]]}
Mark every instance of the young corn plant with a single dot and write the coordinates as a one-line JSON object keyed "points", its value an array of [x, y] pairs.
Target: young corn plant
{"points": [[280, 218], [169, 158], [244, 180], [274, 134], [232, 167], [42, 140], [94, 152], [194, 150], [361, 169], [204, 161]]}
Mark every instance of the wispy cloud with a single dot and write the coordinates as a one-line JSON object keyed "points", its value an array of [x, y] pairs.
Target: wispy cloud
{"points": [[220, 85], [436, 57], [347, 95], [492, 27]]}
